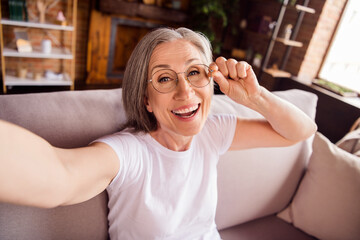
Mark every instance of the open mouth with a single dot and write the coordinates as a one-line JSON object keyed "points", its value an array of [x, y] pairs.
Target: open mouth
{"points": [[187, 112]]}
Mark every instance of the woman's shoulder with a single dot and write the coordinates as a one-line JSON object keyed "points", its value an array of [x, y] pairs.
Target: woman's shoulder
{"points": [[126, 137], [220, 119], [218, 131]]}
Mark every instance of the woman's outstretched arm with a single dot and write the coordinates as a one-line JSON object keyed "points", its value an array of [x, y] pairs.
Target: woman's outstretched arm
{"points": [[32, 172], [284, 123]]}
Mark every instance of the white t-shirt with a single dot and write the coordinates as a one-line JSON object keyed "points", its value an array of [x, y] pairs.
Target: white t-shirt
{"points": [[162, 194]]}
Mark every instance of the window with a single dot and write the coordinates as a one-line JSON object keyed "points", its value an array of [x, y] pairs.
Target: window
{"points": [[342, 62]]}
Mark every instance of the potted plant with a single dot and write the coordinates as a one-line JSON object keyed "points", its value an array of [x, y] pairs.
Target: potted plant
{"points": [[213, 18]]}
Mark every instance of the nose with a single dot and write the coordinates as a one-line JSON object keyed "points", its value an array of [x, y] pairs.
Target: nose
{"points": [[184, 88]]}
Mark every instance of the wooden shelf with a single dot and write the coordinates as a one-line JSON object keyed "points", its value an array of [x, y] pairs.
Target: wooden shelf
{"points": [[288, 42], [15, 81], [56, 53], [277, 73], [36, 25], [134, 9], [304, 9]]}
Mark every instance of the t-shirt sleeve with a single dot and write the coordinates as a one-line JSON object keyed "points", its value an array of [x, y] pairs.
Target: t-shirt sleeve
{"points": [[126, 147], [220, 130]]}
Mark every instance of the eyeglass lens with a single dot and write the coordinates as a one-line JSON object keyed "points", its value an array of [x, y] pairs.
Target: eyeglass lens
{"points": [[165, 80]]}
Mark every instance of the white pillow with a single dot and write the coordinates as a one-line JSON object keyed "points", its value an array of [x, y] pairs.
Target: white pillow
{"points": [[327, 203]]}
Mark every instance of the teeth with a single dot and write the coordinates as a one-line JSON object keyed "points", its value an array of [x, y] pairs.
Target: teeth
{"points": [[186, 110]]}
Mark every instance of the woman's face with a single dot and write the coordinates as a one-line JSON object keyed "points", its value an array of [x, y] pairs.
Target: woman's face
{"points": [[183, 111]]}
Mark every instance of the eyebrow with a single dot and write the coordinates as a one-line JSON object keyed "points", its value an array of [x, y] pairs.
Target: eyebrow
{"points": [[168, 66]]}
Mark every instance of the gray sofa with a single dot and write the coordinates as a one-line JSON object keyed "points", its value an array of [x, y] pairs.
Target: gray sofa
{"points": [[254, 185]]}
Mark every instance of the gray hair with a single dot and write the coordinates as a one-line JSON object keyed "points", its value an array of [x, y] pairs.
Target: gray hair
{"points": [[135, 80]]}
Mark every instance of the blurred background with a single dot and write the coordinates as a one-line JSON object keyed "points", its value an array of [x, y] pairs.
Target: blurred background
{"points": [[55, 45]]}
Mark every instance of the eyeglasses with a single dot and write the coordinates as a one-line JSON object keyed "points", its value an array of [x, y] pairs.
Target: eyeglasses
{"points": [[166, 80]]}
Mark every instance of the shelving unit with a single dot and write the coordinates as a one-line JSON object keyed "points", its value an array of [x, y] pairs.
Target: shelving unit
{"points": [[56, 53], [36, 25], [302, 9], [15, 81], [9, 79]]}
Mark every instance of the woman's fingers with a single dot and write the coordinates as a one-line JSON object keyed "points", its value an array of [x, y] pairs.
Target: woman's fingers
{"points": [[235, 78], [221, 63], [232, 69], [241, 68], [231, 65], [213, 67], [219, 78]]}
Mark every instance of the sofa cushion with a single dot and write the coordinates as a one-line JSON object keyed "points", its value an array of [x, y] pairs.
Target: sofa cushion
{"points": [[87, 220], [266, 228], [327, 202], [259, 182]]}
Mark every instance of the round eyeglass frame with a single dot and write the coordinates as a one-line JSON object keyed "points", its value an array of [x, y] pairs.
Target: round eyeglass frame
{"points": [[186, 77]]}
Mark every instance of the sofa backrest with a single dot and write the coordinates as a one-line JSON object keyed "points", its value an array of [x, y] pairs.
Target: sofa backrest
{"points": [[252, 183], [259, 182], [65, 119]]}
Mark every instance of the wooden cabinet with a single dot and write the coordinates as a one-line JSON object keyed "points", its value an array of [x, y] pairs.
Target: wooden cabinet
{"points": [[38, 67], [115, 29]]}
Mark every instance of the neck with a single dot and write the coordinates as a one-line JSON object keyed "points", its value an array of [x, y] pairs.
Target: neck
{"points": [[172, 141]]}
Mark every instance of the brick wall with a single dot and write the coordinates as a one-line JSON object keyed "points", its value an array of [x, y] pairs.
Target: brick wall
{"points": [[315, 33], [319, 43]]}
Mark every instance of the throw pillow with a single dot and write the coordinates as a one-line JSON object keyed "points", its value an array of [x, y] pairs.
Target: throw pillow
{"points": [[351, 142], [326, 204]]}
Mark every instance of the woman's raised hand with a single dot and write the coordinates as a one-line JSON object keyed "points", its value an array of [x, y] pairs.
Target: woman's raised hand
{"points": [[236, 79]]}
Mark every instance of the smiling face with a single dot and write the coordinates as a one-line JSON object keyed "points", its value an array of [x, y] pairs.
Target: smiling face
{"points": [[182, 112]]}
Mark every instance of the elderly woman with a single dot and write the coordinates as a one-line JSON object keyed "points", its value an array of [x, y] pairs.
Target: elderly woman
{"points": [[160, 170]]}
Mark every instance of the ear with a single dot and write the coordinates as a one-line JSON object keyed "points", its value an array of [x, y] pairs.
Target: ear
{"points": [[147, 104]]}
